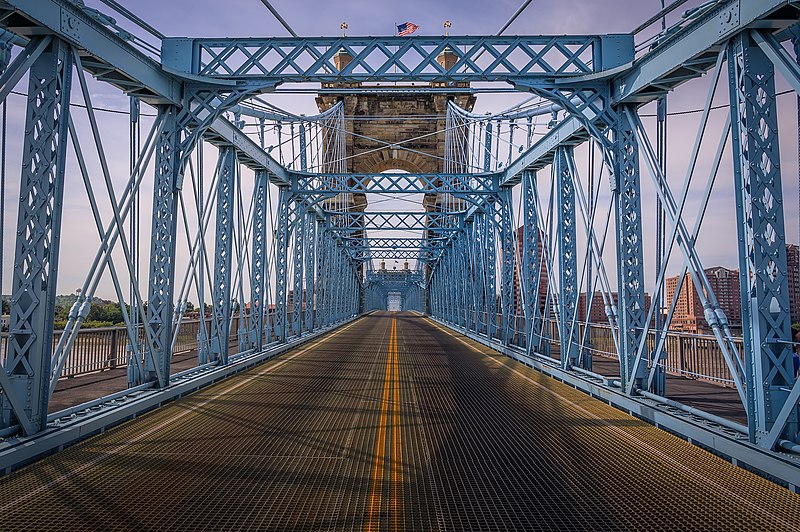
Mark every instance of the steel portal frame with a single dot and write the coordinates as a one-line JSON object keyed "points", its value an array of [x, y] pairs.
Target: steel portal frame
{"points": [[468, 254]]}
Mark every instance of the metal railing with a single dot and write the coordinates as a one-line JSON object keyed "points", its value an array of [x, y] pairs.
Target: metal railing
{"points": [[689, 355], [694, 356], [106, 348]]}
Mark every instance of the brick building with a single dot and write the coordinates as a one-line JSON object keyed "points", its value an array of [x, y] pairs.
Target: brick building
{"points": [[689, 316], [793, 263], [597, 314]]}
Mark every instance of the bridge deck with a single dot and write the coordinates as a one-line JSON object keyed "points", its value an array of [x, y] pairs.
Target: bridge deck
{"points": [[390, 422]]}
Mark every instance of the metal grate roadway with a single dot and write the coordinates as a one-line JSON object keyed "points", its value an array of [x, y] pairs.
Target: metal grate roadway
{"points": [[390, 423]]}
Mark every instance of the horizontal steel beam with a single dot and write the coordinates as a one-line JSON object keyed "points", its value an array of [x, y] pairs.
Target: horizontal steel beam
{"points": [[685, 55], [393, 243], [315, 184], [400, 254], [568, 132], [250, 154], [113, 60], [375, 59], [106, 55], [360, 221], [692, 51]]}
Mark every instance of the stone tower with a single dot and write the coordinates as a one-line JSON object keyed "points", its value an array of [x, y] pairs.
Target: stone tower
{"points": [[412, 119]]}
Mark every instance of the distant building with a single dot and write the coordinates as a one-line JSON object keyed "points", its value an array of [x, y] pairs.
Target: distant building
{"points": [[597, 312], [543, 273], [793, 274], [689, 315]]}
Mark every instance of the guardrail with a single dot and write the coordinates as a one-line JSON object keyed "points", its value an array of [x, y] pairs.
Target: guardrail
{"points": [[106, 348], [689, 355], [695, 356]]}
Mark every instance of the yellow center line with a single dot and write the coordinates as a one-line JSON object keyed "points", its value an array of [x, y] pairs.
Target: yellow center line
{"points": [[373, 520], [391, 387], [397, 444]]}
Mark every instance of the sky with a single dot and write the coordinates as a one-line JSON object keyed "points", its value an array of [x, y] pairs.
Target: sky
{"points": [[717, 241]]}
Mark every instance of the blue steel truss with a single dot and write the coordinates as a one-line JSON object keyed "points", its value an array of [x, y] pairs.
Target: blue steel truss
{"points": [[762, 244], [462, 185], [30, 337], [349, 222], [223, 253], [397, 58], [466, 263]]}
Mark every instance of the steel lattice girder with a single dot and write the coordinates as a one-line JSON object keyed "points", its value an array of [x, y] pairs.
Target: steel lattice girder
{"points": [[258, 269], [630, 255], [766, 327], [114, 61], [530, 260], [360, 221], [26, 369], [507, 258], [396, 244], [496, 58], [400, 254], [162, 246], [223, 253], [392, 243], [394, 279], [457, 184], [567, 259]]}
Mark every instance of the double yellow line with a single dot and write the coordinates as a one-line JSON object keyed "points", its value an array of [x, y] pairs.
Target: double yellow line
{"points": [[390, 415]]}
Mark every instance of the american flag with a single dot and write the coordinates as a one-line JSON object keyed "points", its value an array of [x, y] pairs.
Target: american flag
{"points": [[406, 28]]}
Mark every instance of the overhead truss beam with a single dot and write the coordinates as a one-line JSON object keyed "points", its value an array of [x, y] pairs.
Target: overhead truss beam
{"points": [[348, 222], [457, 184], [388, 59]]}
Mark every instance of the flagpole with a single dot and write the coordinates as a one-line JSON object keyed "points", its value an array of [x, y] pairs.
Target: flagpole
{"points": [[394, 32]]}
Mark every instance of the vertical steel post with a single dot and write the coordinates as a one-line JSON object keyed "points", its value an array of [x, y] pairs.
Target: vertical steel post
{"points": [[319, 287], [303, 157], [487, 153], [330, 263], [281, 262], [630, 259], [490, 248], [529, 272], [766, 326], [223, 252], [567, 259], [469, 277], [480, 273], [310, 256], [258, 267], [298, 223], [33, 289], [450, 288], [167, 184], [464, 284], [507, 257], [338, 271]]}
